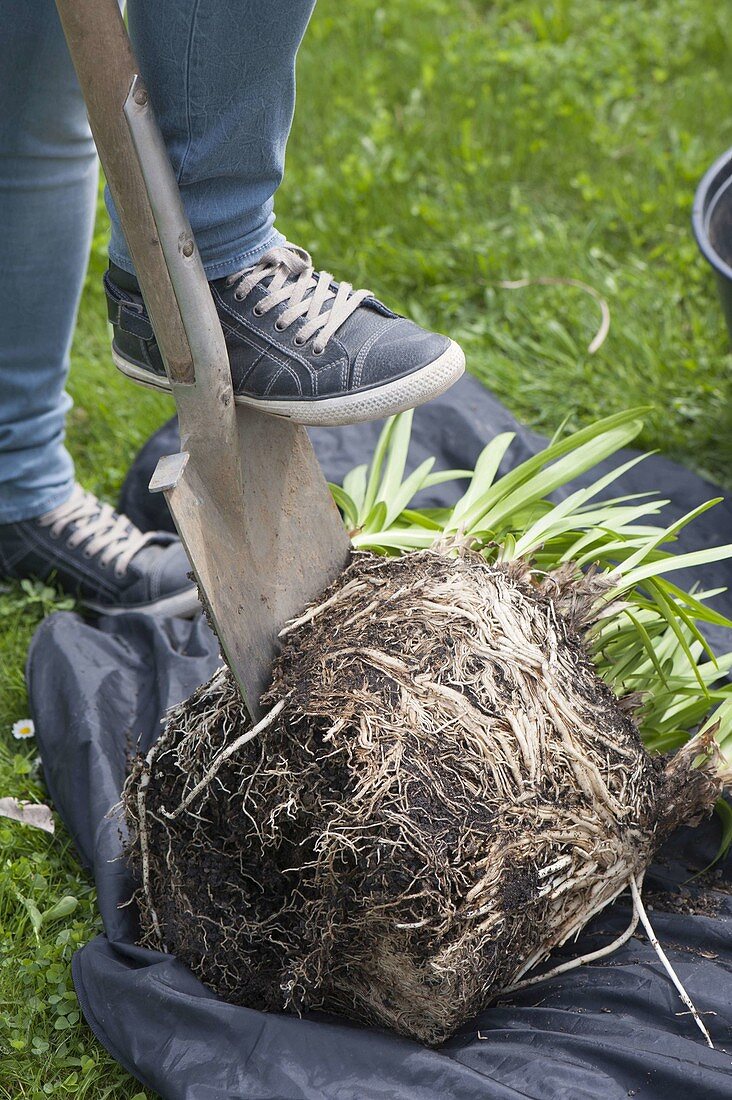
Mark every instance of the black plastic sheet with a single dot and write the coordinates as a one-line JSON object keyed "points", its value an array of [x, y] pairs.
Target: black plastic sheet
{"points": [[612, 1029]]}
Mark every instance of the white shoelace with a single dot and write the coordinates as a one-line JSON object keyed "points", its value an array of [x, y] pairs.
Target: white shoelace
{"points": [[293, 280], [105, 532]]}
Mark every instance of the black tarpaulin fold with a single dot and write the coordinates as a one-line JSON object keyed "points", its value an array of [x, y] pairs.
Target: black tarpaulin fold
{"points": [[612, 1029]]}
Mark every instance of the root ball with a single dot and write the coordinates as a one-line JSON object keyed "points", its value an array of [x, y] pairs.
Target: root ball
{"points": [[446, 793]]}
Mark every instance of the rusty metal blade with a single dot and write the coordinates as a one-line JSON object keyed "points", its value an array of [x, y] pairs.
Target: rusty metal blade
{"points": [[260, 557]]}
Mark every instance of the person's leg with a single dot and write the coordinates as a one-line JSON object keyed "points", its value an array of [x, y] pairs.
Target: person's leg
{"points": [[221, 77], [221, 80], [48, 182], [49, 527]]}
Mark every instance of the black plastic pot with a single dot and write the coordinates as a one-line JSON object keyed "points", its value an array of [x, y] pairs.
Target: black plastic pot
{"points": [[712, 221]]}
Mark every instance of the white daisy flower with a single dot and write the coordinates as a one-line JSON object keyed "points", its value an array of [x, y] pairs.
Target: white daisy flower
{"points": [[23, 729]]}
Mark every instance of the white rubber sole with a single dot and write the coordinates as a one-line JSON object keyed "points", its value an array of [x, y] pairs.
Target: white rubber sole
{"points": [[183, 605], [353, 408]]}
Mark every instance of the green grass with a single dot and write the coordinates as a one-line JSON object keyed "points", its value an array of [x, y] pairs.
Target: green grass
{"points": [[440, 147]]}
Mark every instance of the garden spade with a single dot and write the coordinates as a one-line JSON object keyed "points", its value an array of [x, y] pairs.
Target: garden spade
{"points": [[246, 492]]}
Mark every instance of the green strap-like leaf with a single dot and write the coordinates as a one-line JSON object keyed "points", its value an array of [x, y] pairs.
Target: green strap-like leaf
{"points": [[667, 534], [374, 471], [354, 483], [492, 513], [673, 562], [346, 505], [396, 502], [520, 474], [396, 458], [486, 469]]}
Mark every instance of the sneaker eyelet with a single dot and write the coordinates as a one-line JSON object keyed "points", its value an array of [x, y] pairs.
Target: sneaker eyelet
{"points": [[238, 297], [87, 554], [258, 312], [318, 352], [298, 342], [119, 574], [279, 327]]}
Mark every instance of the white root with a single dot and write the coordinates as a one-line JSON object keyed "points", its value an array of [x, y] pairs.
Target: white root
{"points": [[313, 612], [224, 756], [144, 847], [600, 336], [581, 960], [665, 962]]}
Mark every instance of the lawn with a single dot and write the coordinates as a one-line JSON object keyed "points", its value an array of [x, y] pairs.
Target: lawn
{"points": [[440, 148]]}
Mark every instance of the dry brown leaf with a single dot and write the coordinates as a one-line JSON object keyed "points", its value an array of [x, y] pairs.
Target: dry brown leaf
{"points": [[36, 814]]}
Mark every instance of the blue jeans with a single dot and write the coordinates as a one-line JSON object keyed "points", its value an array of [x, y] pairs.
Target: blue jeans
{"points": [[221, 77]]}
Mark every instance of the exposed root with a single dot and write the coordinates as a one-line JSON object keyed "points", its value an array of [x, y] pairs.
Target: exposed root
{"points": [[638, 902], [442, 792], [580, 960], [143, 783], [221, 759]]}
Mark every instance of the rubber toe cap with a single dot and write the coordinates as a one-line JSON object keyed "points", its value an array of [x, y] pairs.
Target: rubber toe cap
{"points": [[401, 348]]}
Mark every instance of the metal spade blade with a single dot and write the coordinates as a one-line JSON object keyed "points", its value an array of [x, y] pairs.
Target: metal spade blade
{"points": [[263, 544], [246, 492]]}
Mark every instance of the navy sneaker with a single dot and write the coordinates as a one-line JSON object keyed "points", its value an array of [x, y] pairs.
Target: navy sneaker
{"points": [[300, 345], [101, 558]]}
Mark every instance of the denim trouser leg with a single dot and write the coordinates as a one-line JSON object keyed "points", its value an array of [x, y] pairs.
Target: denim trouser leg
{"points": [[221, 76], [48, 181]]}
